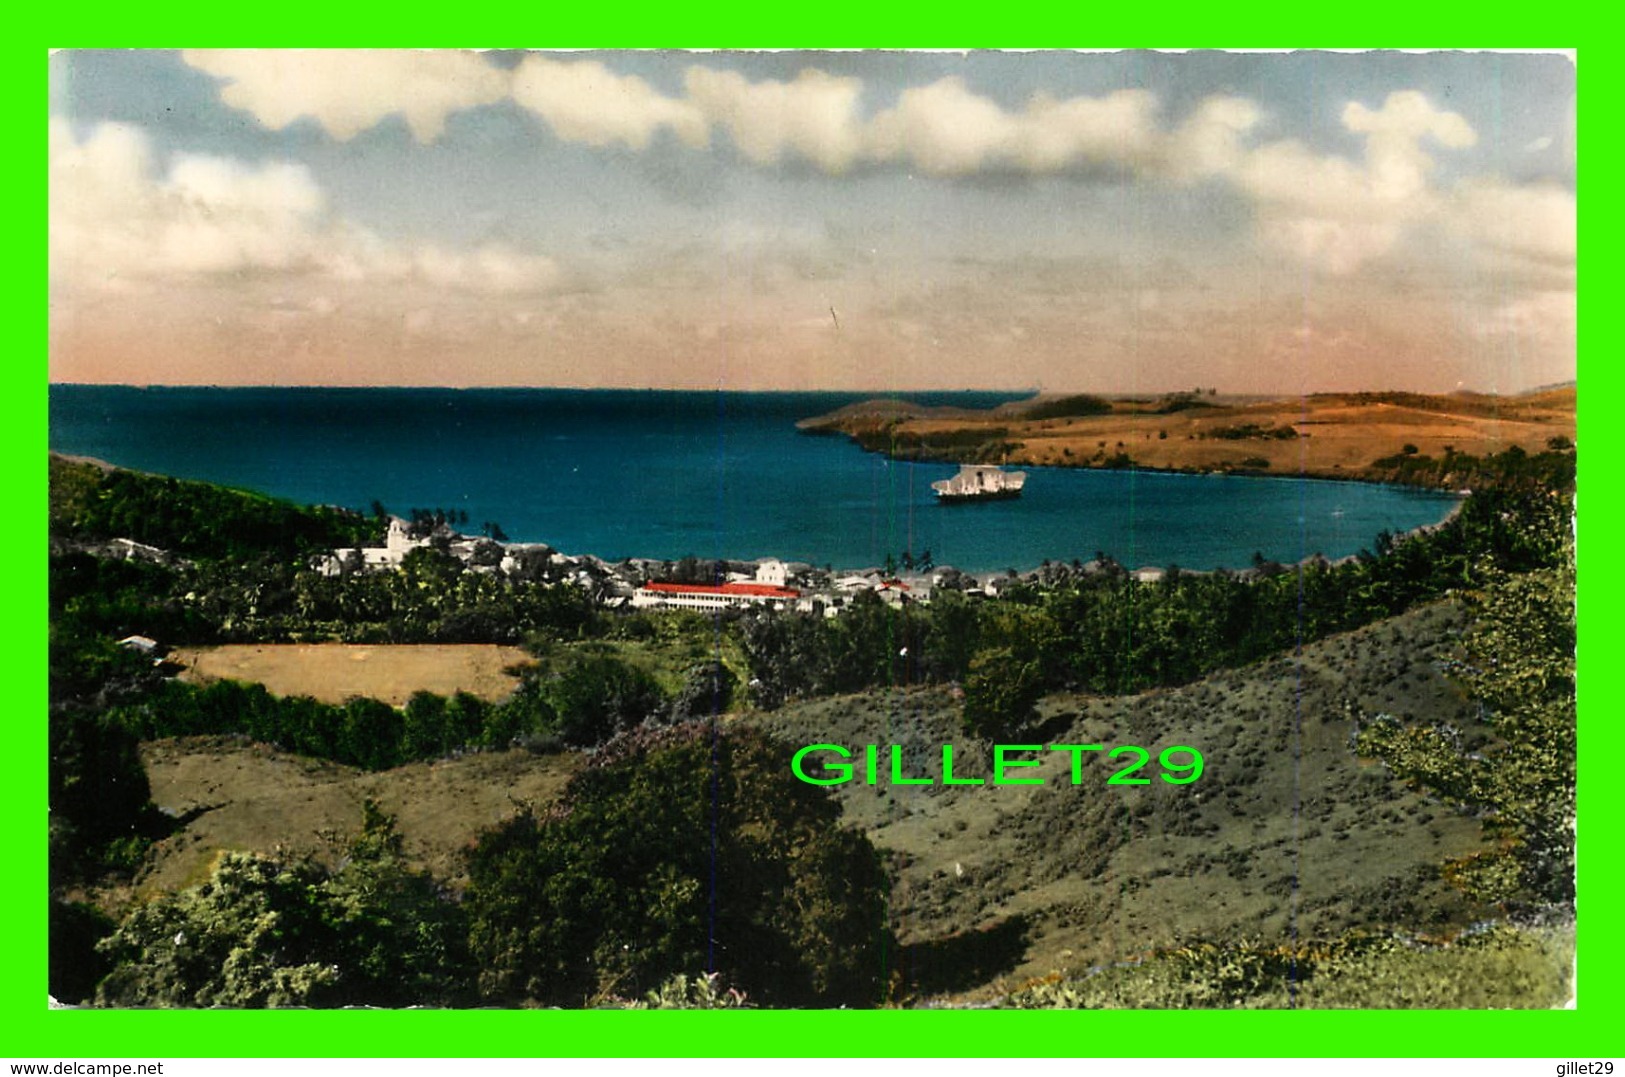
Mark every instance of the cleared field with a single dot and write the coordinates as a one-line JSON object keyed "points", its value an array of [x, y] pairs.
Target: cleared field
{"points": [[333, 672]]}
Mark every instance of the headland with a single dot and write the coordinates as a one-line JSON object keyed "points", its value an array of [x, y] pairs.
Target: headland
{"points": [[1417, 438]]}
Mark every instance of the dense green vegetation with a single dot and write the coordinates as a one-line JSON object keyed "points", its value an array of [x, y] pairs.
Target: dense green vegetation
{"points": [[1512, 469], [433, 599], [1177, 402], [194, 519], [681, 851], [1247, 431], [595, 697]]}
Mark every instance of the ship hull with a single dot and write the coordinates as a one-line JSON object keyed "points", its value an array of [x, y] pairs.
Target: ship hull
{"points": [[985, 495]]}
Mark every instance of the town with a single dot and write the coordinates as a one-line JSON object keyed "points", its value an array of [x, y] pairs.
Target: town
{"points": [[688, 583]]}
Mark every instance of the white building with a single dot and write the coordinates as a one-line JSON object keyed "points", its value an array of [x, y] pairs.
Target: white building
{"points": [[692, 596], [397, 544]]}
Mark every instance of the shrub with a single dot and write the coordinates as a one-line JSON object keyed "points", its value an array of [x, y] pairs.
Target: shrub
{"points": [[266, 931]]}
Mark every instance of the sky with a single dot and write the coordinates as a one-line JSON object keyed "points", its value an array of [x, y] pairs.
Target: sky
{"points": [[1117, 222]]}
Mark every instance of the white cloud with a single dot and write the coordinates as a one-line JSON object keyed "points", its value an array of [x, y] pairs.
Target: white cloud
{"points": [[1535, 222], [1396, 165], [945, 129], [587, 102], [1540, 314], [1210, 140], [942, 128], [218, 215], [1333, 213], [350, 90], [116, 220], [816, 116], [1336, 214], [1120, 128], [1339, 215], [493, 268]]}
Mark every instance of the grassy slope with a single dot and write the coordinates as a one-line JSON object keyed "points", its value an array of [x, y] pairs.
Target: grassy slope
{"points": [[252, 797], [1287, 833]]}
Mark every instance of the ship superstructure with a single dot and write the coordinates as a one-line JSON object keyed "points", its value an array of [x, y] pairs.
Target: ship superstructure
{"points": [[980, 482]]}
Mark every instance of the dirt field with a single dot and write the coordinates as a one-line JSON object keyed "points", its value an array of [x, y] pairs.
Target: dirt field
{"points": [[236, 795], [333, 672]]}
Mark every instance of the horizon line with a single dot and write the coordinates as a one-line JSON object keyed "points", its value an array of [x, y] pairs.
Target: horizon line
{"points": [[1028, 392]]}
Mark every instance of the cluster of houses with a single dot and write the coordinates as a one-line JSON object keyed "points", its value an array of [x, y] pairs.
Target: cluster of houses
{"points": [[641, 583], [647, 583]]}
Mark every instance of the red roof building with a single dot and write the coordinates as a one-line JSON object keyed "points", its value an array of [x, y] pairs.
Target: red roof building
{"points": [[713, 596]]}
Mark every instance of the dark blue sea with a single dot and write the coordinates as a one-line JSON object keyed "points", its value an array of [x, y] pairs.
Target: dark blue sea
{"points": [[622, 473]]}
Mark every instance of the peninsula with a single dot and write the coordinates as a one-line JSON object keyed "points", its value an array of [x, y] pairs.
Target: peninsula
{"points": [[1377, 437]]}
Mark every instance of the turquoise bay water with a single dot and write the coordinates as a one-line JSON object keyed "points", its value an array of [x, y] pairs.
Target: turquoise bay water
{"points": [[622, 473]]}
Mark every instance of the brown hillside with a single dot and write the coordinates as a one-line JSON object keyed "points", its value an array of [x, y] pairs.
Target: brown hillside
{"points": [[1329, 435]]}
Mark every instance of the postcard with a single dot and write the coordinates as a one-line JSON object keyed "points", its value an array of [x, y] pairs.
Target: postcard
{"points": [[798, 530]]}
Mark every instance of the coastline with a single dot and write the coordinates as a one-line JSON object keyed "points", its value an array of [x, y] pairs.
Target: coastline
{"points": [[1389, 438], [601, 567]]}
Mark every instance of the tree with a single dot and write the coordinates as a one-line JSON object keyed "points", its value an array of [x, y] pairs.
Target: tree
{"points": [[423, 727], [265, 931], [683, 851], [247, 937], [952, 633], [600, 696], [1001, 693], [75, 964], [789, 655], [100, 800], [370, 734], [400, 939]]}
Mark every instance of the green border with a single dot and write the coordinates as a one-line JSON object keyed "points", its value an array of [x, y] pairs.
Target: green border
{"points": [[32, 1031]]}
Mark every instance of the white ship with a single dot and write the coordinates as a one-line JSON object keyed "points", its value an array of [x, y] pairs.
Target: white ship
{"points": [[980, 482]]}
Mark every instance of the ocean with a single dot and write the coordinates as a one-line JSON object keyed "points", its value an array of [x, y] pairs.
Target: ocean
{"points": [[625, 473]]}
